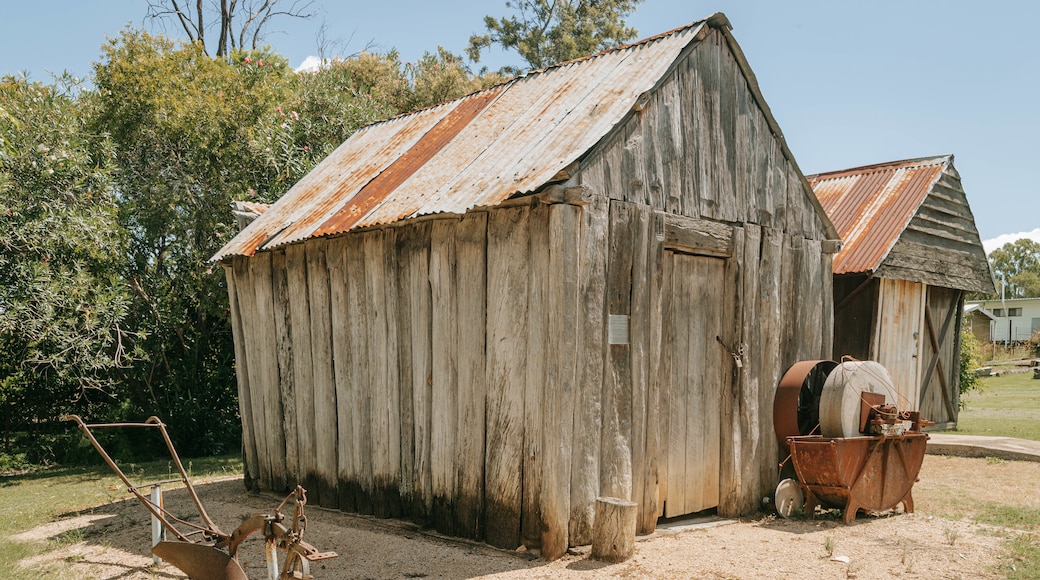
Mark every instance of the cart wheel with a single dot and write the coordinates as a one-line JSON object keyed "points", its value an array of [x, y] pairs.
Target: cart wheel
{"points": [[788, 498]]}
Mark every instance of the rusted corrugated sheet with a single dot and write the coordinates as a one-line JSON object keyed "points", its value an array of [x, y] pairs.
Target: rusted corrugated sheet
{"points": [[871, 206], [476, 151]]}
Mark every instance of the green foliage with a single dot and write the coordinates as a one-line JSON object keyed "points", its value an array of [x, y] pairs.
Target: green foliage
{"points": [[182, 125], [971, 359], [1017, 265], [545, 33], [62, 307], [1034, 344]]}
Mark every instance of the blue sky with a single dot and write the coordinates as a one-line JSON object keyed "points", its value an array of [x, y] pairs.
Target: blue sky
{"points": [[850, 83]]}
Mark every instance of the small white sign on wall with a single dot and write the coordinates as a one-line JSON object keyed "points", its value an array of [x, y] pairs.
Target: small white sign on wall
{"points": [[617, 329]]}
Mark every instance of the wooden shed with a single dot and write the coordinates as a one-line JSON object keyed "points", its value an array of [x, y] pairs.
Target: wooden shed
{"points": [[584, 282], [910, 252]]}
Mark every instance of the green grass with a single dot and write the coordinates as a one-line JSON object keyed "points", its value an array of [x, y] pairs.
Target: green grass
{"points": [[1008, 406], [32, 499], [1025, 557]]}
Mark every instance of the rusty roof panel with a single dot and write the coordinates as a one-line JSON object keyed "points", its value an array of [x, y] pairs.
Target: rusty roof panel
{"points": [[475, 151], [871, 206]]}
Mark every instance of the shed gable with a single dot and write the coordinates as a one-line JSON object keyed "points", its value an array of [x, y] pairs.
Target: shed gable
{"points": [[703, 144]]}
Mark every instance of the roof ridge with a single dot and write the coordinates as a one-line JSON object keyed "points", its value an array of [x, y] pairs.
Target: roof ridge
{"points": [[717, 20], [911, 163]]}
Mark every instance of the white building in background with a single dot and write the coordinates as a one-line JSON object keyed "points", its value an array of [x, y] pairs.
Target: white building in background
{"points": [[1017, 318]]}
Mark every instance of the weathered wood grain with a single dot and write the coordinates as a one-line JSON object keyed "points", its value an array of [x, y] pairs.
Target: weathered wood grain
{"points": [[640, 336], [357, 391], [327, 467], [697, 236], [561, 368], [588, 412], [342, 357], [616, 443], [537, 335], [421, 332], [263, 370], [303, 368], [649, 503], [250, 459], [508, 261], [382, 404], [766, 356], [471, 294], [444, 393], [286, 385]]}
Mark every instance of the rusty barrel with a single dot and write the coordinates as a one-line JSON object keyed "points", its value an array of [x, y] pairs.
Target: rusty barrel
{"points": [[872, 473]]}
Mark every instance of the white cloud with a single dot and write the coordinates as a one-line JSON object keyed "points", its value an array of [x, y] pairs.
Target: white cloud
{"points": [[993, 244], [309, 64]]}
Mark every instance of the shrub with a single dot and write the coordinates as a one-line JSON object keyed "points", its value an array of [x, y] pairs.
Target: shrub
{"points": [[971, 359]]}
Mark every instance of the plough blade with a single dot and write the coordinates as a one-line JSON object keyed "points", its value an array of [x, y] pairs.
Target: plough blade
{"points": [[200, 562]]}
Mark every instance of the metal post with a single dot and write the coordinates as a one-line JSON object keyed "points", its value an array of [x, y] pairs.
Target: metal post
{"points": [[271, 548], [158, 531]]}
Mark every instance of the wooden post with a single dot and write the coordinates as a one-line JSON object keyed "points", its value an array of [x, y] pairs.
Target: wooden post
{"points": [[614, 531]]}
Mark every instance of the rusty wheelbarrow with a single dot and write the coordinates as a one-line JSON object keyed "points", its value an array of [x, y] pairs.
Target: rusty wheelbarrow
{"points": [[858, 473], [203, 551]]}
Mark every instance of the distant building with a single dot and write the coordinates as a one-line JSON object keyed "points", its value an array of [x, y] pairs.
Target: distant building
{"points": [[910, 253], [1014, 319], [980, 321]]}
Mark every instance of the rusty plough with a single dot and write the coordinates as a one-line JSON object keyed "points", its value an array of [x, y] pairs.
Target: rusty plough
{"points": [[203, 551]]}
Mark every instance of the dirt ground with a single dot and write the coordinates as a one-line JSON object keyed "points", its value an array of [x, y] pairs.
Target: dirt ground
{"points": [[112, 541]]}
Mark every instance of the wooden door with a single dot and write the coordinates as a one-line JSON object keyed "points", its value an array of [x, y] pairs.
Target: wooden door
{"points": [[691, 401], [941, 363], [899, 337]]}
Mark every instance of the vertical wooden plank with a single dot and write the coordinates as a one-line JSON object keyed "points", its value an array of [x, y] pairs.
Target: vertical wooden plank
{"points": [[443, 395], [790, 287], [827, 306], [812, 304], [537, 336], [286, 373], [361, 485], [508, 257], [250, 458], [640, 336], [691, 123], [760, 145], [471, 294], [719, 304], [732, 203], [777, 184], [267, 341], [421, 331], [303, 368], [649, 124], [664, 383], [561, 355], [262, 366], [377, 375], [325, 420], [616, 464], [741, 439], [672, 149], [402, 251], [633, 169], [393, 403], [646, 518], [796, 203], [342, 360], [766, 357], [713, 190], [585, 458], [678, 338]]}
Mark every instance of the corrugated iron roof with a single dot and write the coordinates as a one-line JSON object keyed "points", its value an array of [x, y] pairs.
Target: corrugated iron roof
{"points": [[476, 151], [872, 205]]}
